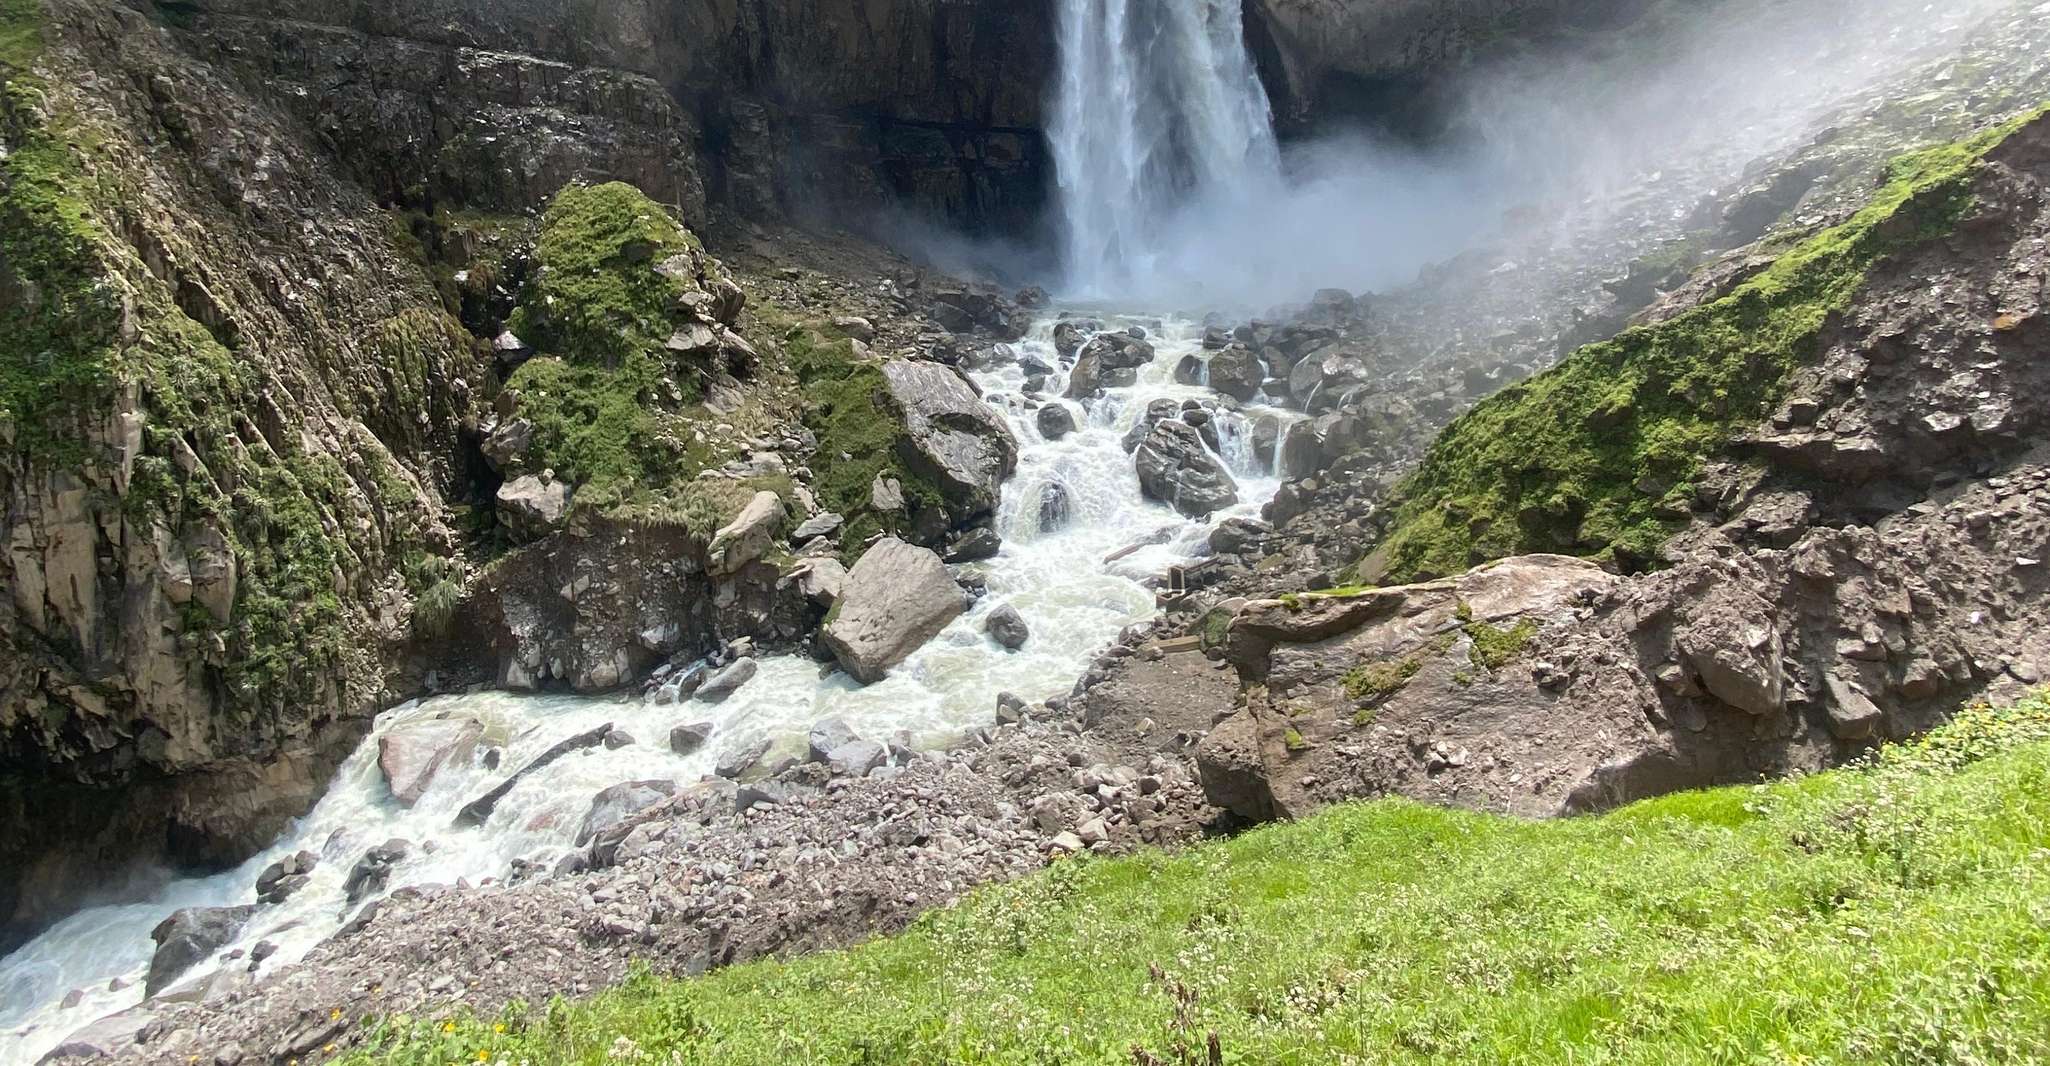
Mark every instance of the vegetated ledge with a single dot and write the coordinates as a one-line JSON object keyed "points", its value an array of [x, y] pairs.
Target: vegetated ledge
{"points": [[1595, 457], [1890, 912]]}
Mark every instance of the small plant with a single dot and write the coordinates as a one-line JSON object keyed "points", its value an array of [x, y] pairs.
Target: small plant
{"points": [[1293, 740], [1495, 648]]}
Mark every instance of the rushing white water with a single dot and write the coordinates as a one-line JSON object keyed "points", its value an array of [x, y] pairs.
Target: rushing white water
{"points": [[1074, 603], [1158, 104]]}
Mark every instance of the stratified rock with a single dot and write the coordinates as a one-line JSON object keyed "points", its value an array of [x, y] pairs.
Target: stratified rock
{"points": [[897, 597], [1156, 412], [478, 810], [728, 681], [187, 938], [952, 436], [532, 507], [1176, 469], [411, 753], [1007, 627], [620, 802], [748, 537]]}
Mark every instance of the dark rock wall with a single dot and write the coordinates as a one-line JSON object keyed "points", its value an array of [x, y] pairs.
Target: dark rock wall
{"points": [[770, 106]]}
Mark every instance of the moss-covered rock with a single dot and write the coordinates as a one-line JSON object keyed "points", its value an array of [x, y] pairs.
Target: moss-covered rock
{"points": [[633, 323], [1595, 457]]}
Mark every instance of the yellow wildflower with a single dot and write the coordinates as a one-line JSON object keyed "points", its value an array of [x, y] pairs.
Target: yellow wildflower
{"points": [[499, 1028]]}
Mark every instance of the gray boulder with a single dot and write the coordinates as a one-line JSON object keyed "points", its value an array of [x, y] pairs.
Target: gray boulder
{"points": [[690, 738], [951, 435], [1007, 627], [726, 682], [411, 754], [818, 525], [532, 507], [187, 938], [1056, 507], [857, 758], [281, 879], [1236, 373], [821, 581], [748, 537], [1177, 470], [897, 597], [1055, 421], [827, 736], [976, 545], [620, 802], [734, 762], [1156, 412]]}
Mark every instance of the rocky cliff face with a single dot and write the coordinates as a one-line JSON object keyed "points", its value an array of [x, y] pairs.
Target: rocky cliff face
{"points": [[231, 410], [770, 106]]}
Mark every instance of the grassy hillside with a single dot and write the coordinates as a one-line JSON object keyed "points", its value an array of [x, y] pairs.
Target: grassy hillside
{"points": [[1898, 912]]}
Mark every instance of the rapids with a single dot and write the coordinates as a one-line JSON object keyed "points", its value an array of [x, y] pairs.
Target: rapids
{"points": [[1074, 602]]}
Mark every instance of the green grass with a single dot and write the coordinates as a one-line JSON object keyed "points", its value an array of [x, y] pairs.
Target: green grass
{"points": [[1595, 456], [1894, 913]]}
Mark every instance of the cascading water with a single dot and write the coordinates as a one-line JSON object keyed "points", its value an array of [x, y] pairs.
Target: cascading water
{"points": [[1073, 503], [1158, 105]]}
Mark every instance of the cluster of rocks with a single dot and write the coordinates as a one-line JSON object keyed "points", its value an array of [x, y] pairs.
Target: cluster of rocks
{"points": [[854, 840]]}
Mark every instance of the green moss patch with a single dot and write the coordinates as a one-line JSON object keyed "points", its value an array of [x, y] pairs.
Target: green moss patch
{"points": [[596, 296], [860, 435], [1494, 648], [1594, 456]]}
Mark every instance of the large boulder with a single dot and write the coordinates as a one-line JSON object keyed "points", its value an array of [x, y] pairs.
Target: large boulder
{"points": [[620, 802], [533, 507], [896, 598], [951, 435], [1007, 627], [1236, 373], [1176, 469], [187, 938], [1055, 420], [748, 537], [411, 753], [727, 682]]}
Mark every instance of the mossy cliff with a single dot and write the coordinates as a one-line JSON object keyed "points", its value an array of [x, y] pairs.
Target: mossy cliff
{"points": [[1597, 456], [229, 408]]}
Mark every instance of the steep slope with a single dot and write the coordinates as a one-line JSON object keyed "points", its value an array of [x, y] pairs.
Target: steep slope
{"points": [[232, 407], [1829, 458]]}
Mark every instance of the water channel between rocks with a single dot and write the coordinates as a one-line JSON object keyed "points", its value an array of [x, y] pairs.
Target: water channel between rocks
{"points": [[1075, 603]]}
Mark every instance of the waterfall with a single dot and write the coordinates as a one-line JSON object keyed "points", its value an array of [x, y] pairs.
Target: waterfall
{"points": [[1158, 105]]}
